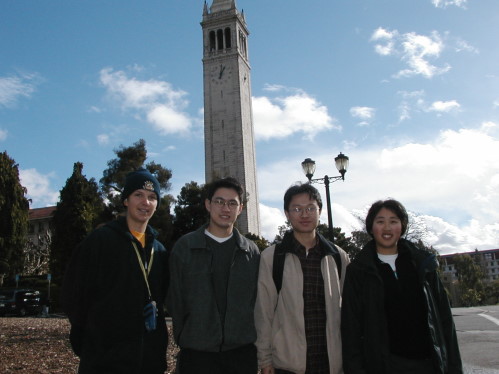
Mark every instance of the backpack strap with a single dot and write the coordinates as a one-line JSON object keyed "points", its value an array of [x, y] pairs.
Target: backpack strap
{"points": [[278, 265], [280, 256], [333, 251]]}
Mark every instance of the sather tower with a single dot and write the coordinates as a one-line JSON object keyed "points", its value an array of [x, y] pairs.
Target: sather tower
{"points": [[228, 118]]}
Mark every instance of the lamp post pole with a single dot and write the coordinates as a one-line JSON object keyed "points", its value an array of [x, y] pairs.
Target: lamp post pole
{"points": [[329, 212], [341, 162]]}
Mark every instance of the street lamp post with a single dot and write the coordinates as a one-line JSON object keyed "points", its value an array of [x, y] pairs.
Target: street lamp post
{"points": [[308, 166]]}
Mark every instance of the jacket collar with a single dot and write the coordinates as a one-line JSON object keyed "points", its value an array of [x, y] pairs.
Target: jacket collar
{"points": [[424, 261], [199, 239], [121, 226], [328, 247]]}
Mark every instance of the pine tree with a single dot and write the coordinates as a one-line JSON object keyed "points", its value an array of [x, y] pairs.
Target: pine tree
{"points": [[78, 211], [14, 208], [470, 277], [190, 212]]}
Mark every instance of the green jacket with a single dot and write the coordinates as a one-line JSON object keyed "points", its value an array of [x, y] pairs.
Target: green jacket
{"points": [[363, 325], [191, 297]]}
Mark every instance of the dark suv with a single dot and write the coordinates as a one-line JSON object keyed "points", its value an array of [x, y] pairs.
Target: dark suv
{"points": [[20, 302]]}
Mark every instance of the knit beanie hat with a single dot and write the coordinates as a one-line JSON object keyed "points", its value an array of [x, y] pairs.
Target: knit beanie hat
{"points": [[140, 179]]}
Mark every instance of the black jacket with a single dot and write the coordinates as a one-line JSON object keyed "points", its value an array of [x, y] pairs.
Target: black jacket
{"points": [[104, 293], [364, 327]]}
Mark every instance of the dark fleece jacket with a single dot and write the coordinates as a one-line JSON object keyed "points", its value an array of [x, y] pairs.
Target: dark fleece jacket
{"points": [[366, 346], [104, 293]]}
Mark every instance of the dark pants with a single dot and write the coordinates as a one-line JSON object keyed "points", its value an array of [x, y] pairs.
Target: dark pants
{"points": [[401, 365], [241, 360]]}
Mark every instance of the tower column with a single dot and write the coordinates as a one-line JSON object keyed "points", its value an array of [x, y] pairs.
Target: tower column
{"points": [[228, 116]]}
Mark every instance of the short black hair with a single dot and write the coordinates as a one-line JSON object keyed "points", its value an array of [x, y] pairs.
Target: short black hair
{"points": [[392, 205], [228, 182], [298, 189]]}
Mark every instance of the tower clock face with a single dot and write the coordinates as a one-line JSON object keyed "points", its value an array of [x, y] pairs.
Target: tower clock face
{"points": [[220, 73]]}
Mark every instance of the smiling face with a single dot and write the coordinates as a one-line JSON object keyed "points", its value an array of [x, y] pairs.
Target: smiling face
{"points": [[141, 205], [303, 220], [386, 230], [224, 208]]}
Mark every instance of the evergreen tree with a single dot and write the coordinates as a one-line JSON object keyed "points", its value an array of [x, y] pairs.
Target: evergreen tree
{"points": [[340, 239], [189, 212], [78, 211], [359, 239], [162, 221], [260, 242], [112, 183], [470, 277], [113, 180], [14, 208]]}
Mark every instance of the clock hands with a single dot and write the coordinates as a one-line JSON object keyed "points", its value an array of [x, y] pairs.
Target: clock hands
{"points": [[222, 69]]}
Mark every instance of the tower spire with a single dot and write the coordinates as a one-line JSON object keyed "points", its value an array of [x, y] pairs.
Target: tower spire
{"points": [[220, 5]]}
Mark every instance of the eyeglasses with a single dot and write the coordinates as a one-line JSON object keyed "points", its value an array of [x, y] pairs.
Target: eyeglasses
{"points": [[232, 204], [308, 209]]}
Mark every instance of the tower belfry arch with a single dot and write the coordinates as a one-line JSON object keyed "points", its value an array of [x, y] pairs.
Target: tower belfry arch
{"points": [[228, 116]]}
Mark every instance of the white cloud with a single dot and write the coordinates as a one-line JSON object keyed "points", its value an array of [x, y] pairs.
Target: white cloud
{"points": [[416, 50], [103, 139], [413, 49], [411, 101], [454, 176], [167, 120], [414, 102], [15, 87], [381, 34], [444, 106], [281, 117], [270, 220], [38, 186], [3, 134], [446, 3], [94, 109], [366, 114], [156, 100], [273, 87], [362, 112], [463, 45]]}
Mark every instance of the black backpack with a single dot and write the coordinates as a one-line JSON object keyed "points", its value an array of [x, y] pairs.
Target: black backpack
{"points": [[278, 262]]}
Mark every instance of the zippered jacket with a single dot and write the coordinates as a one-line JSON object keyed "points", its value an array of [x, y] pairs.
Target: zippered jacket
{"points": [[364, 326], [280, 323], [104, 294], [191, 298]]}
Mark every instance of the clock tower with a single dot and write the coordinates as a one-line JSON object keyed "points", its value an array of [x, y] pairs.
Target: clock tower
{"points": [[228, 118]]}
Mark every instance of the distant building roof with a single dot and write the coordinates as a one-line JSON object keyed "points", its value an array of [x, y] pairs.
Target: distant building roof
{"points": [[473, 253], [41, 213]]}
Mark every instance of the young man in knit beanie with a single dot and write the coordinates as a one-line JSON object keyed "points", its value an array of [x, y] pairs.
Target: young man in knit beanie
{"points": [[214, 273], [115, 288]]}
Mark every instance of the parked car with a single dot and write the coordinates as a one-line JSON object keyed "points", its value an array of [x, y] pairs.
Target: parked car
{"points": [[20, 302]]}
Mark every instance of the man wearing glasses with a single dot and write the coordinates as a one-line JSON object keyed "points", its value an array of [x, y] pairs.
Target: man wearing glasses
{"points": [[297, 313], [211, 299]]}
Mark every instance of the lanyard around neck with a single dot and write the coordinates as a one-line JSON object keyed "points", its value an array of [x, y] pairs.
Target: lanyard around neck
{"points": [[146, 270]]}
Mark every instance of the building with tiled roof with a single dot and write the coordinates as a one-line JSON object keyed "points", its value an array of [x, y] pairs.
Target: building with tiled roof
{"points": [[40, 222]]}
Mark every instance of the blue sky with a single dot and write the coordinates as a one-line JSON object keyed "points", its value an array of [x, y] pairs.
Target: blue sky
{"points": [[408, 89]]}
